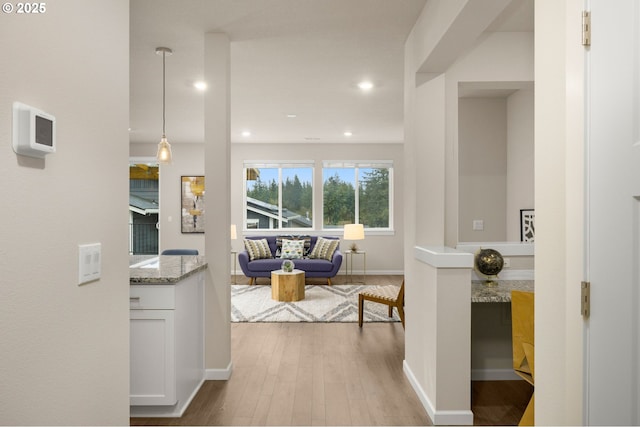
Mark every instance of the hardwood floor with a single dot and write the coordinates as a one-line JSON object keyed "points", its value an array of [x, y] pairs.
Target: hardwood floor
{"points": [[309, 374], [329, 374], [499, 403]]}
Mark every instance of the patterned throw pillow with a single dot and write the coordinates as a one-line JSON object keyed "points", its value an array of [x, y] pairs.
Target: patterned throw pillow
{"points": [[324, 248], [292, 249], [257, 249], [306, 239]]}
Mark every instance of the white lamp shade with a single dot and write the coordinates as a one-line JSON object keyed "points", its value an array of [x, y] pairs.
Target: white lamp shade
{"points": [[353, 232], [234, 232]]}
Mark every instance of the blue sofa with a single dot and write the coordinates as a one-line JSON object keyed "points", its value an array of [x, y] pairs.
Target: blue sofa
{"points": [[311, 267]]}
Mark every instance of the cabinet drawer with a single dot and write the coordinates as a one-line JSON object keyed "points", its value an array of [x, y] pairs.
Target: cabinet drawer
{"points": [[153, 297]]}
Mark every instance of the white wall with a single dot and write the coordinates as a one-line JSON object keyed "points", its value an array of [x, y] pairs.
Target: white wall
{"points": [[482, 151], [65, 348], [496, 159], [384, 249], [496, 57], [520, 159]]}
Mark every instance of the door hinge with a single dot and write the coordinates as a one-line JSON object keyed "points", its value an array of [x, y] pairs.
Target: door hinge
{"points": [[585, 299], [586, 28]]}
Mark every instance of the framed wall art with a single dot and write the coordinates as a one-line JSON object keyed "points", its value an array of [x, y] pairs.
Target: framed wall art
{"points": [[527, 225], [192, 200]]}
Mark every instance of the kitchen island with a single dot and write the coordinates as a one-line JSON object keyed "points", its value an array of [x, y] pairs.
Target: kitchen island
{"points": [[166, 333]]}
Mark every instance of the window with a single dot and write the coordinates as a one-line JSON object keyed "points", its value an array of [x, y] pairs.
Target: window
{"points": [[279, 195], [357, 192]]}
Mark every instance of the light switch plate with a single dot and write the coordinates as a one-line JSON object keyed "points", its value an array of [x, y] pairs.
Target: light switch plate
{"points": [[89, 262]]}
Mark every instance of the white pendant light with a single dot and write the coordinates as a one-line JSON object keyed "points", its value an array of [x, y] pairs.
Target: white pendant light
{"points": [[164, 148]]}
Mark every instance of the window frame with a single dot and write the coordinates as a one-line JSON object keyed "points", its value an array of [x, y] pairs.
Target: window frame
{"points": [[280, 166], [356, 165], [318, 209]]}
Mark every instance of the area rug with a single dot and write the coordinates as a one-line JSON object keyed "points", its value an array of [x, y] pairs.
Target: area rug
{"points": [[322, 303]]}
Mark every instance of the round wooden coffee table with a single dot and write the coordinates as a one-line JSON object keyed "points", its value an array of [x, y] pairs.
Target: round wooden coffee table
{"points": [[287, 287]]}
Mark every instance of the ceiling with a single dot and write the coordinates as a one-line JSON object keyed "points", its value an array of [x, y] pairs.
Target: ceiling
{"points": [[301, 57]]}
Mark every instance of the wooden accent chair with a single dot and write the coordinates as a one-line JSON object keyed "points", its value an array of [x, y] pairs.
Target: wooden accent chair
{"points": [[390, 295], [522, 334]]}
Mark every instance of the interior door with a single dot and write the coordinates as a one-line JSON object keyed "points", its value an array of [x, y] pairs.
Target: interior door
{"points": [[613, 213]]}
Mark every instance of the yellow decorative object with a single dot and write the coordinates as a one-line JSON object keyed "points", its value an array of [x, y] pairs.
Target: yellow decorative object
{"points": [[197, 186], [522, 331]]}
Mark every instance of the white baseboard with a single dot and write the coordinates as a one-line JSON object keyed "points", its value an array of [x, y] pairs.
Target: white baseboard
{"points": [[374, 272], [494, 375], [219, 374], [170, 411], [452, 418]]}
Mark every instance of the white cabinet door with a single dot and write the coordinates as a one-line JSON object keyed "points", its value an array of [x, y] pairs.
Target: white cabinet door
{"points": [[153, 372]]}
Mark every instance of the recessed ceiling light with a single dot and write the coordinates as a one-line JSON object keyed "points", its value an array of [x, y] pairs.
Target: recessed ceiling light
{"points": [[365, 85], [347, 133], [292, 116], [246, 133], [200, 85]]}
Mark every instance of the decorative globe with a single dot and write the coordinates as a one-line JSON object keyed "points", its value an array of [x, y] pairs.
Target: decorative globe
{"points": [[489, 262]]}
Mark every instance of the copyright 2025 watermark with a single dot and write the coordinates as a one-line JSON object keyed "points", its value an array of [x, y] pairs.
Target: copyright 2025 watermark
{"points": [[24, 8]]}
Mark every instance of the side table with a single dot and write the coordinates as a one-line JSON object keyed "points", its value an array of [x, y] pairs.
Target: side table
{"points": [[286, 286], [349, 267]]}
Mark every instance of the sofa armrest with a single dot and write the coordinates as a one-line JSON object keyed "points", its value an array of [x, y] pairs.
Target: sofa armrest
{"points": [[243, 260], [336, 260]]}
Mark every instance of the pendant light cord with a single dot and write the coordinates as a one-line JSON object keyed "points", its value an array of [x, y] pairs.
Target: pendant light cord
{"points": [[164, 54]]}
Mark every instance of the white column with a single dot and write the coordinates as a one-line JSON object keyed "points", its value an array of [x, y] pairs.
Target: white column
{"points": [[218, 196]]}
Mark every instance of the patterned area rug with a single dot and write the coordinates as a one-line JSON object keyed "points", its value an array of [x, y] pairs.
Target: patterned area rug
{"points": [[322, 303]]}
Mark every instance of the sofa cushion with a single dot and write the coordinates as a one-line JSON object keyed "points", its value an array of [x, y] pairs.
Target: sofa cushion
{"points": [[324, 248], [313, 265], [292, 249], [257, 249], [265, 265]]}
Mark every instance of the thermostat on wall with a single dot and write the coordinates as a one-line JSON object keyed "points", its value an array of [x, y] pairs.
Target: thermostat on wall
{"points": [[34, 131]]}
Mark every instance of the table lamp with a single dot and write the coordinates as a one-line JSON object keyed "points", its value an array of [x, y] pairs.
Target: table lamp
{"points": [[234, 232], [354, 232]]}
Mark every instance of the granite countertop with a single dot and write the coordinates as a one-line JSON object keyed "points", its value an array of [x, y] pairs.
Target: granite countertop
{"points": [[163, 269], [499, 290]]}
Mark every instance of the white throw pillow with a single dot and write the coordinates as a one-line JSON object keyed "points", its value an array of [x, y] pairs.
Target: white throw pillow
{"points": [[292, 249]]}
